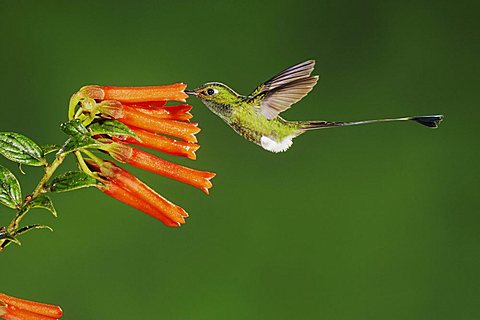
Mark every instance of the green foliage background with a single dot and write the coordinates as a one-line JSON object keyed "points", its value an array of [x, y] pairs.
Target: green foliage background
{"points": [[373, 222]]}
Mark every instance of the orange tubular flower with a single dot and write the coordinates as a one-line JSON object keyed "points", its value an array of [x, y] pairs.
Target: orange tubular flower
{"points": [[149, 162], [137, 94], [161, 143], [139, 119], [179, 112], [115, 191], [13, 313], [132, 116], [18, 309], [123, 186]]}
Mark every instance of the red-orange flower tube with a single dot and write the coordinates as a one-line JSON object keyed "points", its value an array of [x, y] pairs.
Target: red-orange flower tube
{"points": [[137, 94], [182, 130], [123, 186], [125, 196], [19, 309], [133, 117], [149, 162], [179, 112], [161, 143], [14, 313]]}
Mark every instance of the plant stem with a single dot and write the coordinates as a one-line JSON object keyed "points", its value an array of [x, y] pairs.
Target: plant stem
{"points": [[83, 166], [39, 189], [93, 156], [49, 170]]}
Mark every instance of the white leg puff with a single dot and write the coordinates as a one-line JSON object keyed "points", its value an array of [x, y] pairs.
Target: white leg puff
{"points": [[276, 146]]}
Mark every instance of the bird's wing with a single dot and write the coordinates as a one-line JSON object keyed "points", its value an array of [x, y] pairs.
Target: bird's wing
{"points": [[298, 71], [282, 98], [284, 89]]}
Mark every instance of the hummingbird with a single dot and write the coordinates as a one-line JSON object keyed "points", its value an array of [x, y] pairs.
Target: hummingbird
{"points": [[256, 116]]}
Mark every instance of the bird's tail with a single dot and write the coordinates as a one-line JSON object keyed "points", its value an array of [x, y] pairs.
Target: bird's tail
{"points": [[429, 121]]}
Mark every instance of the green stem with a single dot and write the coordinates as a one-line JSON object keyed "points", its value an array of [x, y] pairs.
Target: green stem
{"points": [[83, 165], [74, 100], [79, 113], [92, 156], [49, 170], [39, 189]]}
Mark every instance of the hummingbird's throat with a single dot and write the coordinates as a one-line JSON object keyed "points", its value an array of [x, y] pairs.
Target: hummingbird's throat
{"points": [[221, 110]]}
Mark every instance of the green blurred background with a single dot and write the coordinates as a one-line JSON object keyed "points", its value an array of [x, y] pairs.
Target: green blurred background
{"points": [[373, 222]]}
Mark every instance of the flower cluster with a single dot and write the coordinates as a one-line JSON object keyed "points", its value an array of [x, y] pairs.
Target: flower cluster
{"points": [[112, 119], [18, 309], [102, 120]]}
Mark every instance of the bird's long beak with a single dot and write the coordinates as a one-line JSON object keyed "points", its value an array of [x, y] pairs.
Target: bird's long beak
{"points": [[191, 92]]}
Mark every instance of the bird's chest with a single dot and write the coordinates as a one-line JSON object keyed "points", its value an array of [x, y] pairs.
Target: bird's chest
{"points": [[251, 125]]}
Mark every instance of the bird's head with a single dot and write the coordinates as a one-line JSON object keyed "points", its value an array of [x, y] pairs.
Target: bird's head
{"points": [[214, 93]]}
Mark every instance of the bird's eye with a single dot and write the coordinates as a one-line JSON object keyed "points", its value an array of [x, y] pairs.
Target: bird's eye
{"points": [[211, 91]]}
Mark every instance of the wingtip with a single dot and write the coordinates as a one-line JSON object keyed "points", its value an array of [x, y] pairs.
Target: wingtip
{"points": [[310, 62]]}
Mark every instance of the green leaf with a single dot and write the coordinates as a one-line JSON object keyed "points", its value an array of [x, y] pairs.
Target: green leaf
{"points": [[112, 128], [79, 137], [11, 239], [18, 148], [42, 201], [32, 227], [49, 148], [72, 180], [10, 191], [75, 128]]}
